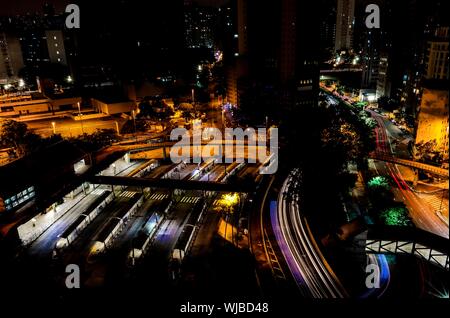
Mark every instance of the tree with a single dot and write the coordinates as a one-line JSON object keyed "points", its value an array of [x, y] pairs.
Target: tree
{"points": [[95, 141], [15, 135], [379, 192], [187, 115], [397, 215], [379, 182], [227, 202]]}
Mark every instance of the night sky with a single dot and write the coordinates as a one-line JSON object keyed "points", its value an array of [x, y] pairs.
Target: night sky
{"points": [[32, 6]]}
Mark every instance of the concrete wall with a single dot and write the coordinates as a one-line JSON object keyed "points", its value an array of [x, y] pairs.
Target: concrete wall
{"points": [[433, 118], [113, 108], [32, 108], [57, 103]]}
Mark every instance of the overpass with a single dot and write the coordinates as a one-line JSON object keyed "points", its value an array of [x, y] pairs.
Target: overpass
{"points": [[172, 184], [406, 241], [409, 163]]}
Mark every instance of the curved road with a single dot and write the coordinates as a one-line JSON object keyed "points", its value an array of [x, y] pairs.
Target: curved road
{"points": [[421, 213], [309, 268]]}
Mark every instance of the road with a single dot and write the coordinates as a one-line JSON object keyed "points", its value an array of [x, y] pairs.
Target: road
{"points": [[216, 172], [70, 127], [154, 270], [422, 213], [309, 268]]}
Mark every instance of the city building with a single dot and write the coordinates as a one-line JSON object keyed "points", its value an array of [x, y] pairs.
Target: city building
{"points": [[433, 125], [11, 60], [436, 59], [39, 175], [21, 104], [287, 75], [328, 29], [55, 46], [199, 25], [383, 84], [345, 21], [432, 119], [111, 106]]}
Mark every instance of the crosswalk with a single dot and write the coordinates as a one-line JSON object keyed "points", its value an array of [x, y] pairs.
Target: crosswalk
{"points": [[158, 196], [190, 199], [196, 199], [436, 202], [97, 192], [127, 194], [186, 199]]}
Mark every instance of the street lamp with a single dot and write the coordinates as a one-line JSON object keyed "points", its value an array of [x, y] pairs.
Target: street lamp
{"points": [[81, 117], [54, 127], [117, 128], [223, 119], [81, 123], [134, 123]]}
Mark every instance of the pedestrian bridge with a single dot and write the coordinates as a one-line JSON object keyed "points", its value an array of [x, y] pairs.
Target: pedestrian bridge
{"points": [[407, 241], [409, 163], [172, 184]]}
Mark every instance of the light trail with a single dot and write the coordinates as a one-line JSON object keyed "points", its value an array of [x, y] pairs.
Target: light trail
{"points": [[422, 215], [310, 270]]}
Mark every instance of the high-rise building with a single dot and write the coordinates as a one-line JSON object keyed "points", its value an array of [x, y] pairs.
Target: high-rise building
{"points": [[11, 60], [56, 47], [199, 24], [236, 57], [345, 21], [433, 125], [327, 29], [370, 59], [34, 48], [277, 54], [436, 59], [433, 111], [383, 84]]}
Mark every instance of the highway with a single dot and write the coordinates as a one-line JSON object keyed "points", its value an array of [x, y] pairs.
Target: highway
{"points": [[310, 270], [422, 214]]}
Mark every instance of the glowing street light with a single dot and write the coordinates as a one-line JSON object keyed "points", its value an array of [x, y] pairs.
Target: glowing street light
{"points": [[54, 127]]}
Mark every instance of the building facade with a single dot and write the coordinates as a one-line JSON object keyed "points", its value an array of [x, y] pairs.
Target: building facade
{"points": [[11, 60], [345, 21]]}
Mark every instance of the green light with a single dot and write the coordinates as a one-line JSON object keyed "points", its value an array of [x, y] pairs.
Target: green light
{"points": [[378, 182], [396, 216]]}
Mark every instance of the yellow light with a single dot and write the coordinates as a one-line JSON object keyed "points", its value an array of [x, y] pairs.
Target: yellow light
{"points": [[229, 199]]}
